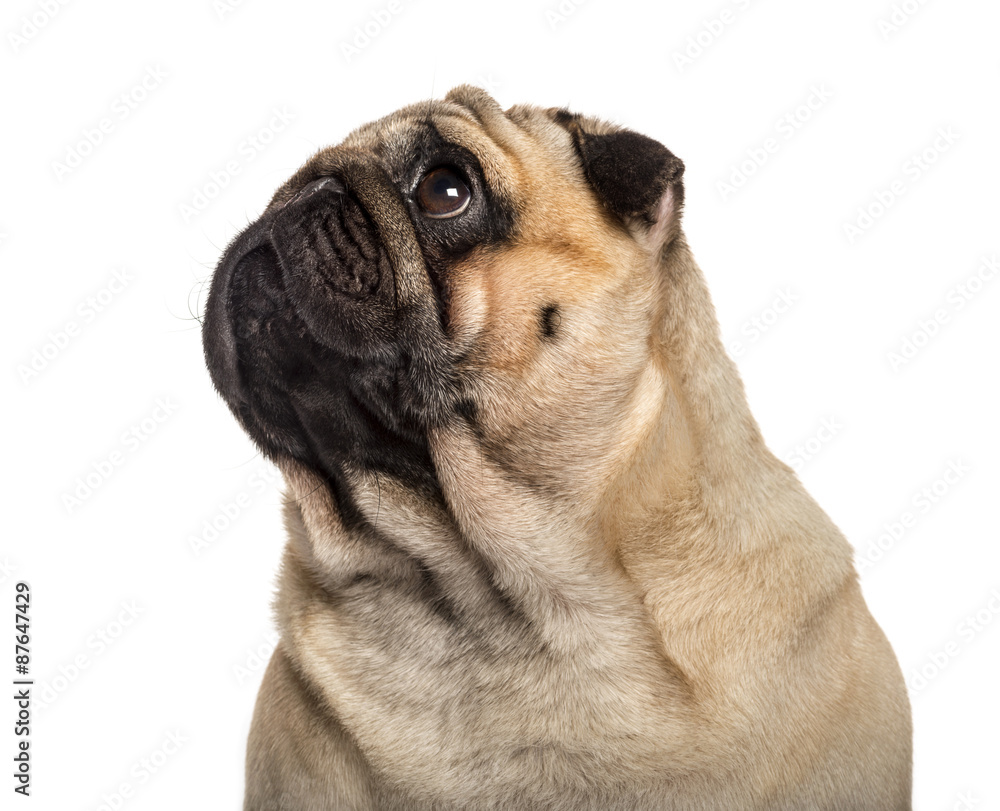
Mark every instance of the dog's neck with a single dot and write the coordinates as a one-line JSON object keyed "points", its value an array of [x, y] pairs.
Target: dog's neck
{"points": [[715, 500], [704, 446]]}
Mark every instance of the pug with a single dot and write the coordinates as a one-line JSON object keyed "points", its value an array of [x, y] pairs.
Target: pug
{"points": [[539, 555]]}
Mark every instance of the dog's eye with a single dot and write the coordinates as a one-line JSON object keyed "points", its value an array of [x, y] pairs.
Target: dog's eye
{"points": [[442, 193]]}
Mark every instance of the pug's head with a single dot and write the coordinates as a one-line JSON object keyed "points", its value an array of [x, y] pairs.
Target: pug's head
{"points": [[455, 264]]}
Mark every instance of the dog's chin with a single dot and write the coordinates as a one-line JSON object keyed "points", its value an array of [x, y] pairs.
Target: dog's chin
{"points": [[305, 342]]}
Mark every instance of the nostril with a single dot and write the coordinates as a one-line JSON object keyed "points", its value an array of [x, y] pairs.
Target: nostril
{"points": [[323, 184]]}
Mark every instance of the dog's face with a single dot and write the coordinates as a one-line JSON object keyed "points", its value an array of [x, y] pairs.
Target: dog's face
{"points": [[453, 263]]}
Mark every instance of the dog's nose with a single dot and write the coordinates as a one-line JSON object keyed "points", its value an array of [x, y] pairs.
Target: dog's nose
{"points": [[325, 239], [334, 267], [330, 184]]}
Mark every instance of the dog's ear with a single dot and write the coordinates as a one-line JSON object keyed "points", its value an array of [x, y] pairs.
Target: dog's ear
{"points": [[637, 178]]}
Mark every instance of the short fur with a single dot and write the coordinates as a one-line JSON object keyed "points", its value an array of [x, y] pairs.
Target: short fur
{"points": [[539, 555]]}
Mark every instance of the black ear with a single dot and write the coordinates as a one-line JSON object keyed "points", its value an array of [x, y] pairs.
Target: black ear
{"points": [[635, 176]]}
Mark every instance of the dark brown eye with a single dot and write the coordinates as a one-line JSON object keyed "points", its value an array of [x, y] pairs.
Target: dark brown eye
{"points": [[442, 193]]}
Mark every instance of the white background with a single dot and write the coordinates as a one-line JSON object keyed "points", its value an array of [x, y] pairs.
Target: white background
{"points": [[189, 660]]}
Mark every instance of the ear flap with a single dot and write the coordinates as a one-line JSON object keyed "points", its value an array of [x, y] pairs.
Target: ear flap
{"points": [[638, 179]]}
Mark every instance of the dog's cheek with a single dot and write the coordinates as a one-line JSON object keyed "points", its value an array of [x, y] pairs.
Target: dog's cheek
{"points": [[467, 311], [490, 316]]}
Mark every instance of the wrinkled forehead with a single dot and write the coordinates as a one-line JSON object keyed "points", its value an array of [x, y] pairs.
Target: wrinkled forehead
{"points": [[513, 148], [417, 134]]}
